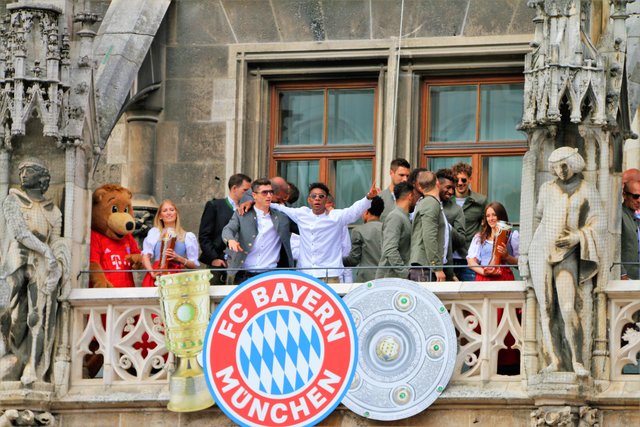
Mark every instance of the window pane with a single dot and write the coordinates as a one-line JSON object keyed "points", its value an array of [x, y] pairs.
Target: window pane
{"points": [[501, 111], [350, 116], [503, 176], [301, 173], [353, 180], [436, 163], [301, 117], [452, 113]]}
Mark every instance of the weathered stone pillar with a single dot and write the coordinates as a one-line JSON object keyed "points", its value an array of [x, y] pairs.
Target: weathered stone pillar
{"points": [[572, 99], [141, 166]]}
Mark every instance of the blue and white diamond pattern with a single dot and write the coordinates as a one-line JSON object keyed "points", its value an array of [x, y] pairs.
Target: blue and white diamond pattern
{"points": [[280, 351]]}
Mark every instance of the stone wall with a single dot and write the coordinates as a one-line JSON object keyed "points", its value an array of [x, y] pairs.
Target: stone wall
{"points": [[201, 122]]}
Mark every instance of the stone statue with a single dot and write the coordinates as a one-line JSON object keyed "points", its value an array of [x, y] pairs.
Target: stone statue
{"points": [[34, 267], [563, 258]]}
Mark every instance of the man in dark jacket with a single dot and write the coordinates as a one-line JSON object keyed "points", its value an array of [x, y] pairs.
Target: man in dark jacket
{"points": [[216, 215]]}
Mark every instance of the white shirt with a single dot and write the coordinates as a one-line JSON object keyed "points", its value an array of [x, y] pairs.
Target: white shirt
{"points": [[321, 236], [447, 228], [265, 252], [347, 273], [190, 243]]}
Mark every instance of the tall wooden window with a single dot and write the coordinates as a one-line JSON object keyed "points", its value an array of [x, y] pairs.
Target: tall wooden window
{"points": [[474, 120], [324, 131]]}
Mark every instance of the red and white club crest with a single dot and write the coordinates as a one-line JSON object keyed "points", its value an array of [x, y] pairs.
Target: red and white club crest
{"points": [[281, 349]]}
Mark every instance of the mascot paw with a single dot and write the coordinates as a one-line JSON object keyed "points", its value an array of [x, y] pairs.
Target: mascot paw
{"points": [[135, 260]]}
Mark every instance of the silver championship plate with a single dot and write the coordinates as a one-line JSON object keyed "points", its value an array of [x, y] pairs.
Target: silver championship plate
{"points": [[407, 349]]}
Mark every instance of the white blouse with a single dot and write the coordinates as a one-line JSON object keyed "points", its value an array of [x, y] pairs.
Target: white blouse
{"points": [[190, 243], [482, 251]]}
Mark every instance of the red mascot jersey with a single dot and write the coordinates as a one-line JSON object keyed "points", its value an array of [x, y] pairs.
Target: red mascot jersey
{"points": [[111, 255]]}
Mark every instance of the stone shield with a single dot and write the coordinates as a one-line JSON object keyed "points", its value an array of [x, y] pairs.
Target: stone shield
{"points": [[407, 349]]}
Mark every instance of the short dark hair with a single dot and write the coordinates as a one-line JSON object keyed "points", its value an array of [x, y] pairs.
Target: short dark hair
{"points": [[377, 206], [237, 179], [260, 182], [413, 176], [294, 193], [445, 173], [462, 167], [321, 186], [402, 189], [399, 162]]}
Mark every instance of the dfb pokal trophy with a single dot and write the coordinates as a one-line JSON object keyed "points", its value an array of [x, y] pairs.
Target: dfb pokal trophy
{"points": [[184, 302]]}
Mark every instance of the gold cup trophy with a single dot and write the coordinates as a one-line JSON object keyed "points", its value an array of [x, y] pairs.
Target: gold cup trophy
{"points": [[184, 303], [500, 237]]}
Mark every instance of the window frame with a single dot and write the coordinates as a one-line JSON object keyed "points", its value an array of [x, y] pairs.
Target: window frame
{"points": [[324, 153], [477, 150]]}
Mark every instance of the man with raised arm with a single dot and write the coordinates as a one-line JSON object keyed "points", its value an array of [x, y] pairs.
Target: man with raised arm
{"points": [[321, 231]]}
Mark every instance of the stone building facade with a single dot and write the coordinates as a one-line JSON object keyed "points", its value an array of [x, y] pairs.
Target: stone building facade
{"points": [[170, 98]]}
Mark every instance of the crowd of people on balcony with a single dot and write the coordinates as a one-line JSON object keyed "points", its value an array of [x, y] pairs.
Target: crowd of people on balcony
{"points": [[425, 226]]}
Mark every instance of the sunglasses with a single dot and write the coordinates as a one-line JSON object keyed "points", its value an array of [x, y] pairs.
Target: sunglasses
{"points": [[266, 192], [462, 180], [317, 196], [633, 195]]}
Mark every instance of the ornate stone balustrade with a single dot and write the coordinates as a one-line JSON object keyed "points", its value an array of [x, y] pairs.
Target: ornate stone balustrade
{"points": [[118, 354], [624, 340]]}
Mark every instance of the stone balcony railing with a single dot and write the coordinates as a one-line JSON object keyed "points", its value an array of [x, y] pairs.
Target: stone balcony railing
{"points": [[118, 355]]}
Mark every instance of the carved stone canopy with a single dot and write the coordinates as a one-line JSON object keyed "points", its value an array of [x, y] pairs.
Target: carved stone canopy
{"points": [[34, 70]]}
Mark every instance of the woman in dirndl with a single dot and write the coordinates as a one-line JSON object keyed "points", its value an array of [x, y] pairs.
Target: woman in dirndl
{"points": [[183, 255], [479, 256], [481, 248]]}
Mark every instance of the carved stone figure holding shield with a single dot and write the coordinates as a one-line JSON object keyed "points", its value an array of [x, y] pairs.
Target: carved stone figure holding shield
{"points": [[563, 258], [35, 262]]}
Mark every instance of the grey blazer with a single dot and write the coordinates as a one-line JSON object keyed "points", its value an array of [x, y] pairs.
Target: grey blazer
{"points": [[244, 229], [427, 234], [629, 244], [366, 242], [396, 245]]}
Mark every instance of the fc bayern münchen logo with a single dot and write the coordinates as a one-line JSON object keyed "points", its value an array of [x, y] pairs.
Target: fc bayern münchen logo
{"points": [[281, 349]]}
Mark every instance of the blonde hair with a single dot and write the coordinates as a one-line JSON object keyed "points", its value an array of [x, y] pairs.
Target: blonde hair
{"points": [[159, 223]]}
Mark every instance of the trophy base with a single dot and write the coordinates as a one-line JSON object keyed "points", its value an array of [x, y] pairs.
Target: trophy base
{"points": [[188, 388]]}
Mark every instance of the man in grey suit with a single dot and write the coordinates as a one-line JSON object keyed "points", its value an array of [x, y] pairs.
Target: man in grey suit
{"points": [[366, 242], [630, 237], [259, 240], [430, 234], [396, 235]]}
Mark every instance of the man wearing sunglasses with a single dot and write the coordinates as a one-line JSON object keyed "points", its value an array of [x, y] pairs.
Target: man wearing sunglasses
{"points": [[630, 233], [321, 231], [473, 205], [259, 240]]}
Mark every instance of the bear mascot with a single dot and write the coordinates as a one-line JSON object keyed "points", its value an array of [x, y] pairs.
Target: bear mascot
{"points": [[112, 244]]}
